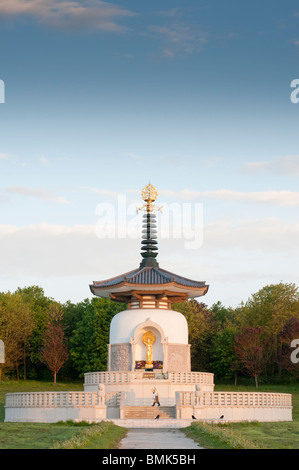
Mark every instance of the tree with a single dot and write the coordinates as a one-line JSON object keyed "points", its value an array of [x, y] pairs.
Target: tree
{"points": [[251, 351], [224, 362], [270, 308], [223, 317], [72, 316], [223, 354], [200, 332], [39, 305], [89, 340], [16, 326], [54, 352]]}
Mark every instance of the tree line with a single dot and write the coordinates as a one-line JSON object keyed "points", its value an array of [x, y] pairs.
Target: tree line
{"points": [[254, 339], [44, 337]]}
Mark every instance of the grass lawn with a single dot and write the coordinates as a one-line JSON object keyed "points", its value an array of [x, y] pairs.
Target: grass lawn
{"points": [[280, 435], [44, 436], [33, 435]]}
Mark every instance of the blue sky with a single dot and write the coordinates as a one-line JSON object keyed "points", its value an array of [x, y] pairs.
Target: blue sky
{"points": [[101, 97]]}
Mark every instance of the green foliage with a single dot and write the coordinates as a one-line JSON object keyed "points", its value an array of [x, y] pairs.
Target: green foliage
{"points": [[38, 303], [270, 308], [223, 353], [223, 317], [16, 326], [201, 328], [86, 326], [88, 344]]}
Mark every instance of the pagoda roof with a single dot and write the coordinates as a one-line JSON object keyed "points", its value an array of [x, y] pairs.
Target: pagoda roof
{"points": [[149, 279]]}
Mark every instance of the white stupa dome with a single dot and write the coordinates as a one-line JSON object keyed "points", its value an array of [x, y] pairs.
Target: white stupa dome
{"points": [[173, 323]]}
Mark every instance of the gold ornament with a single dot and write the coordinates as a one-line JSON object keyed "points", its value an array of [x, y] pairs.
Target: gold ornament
{"points": [[149, 194]]}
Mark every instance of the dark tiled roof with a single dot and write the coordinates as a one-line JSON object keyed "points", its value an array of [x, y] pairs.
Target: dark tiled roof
{"points": [[149, 275]]}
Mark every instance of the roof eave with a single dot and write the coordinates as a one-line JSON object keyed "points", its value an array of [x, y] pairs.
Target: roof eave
{"points": [[193, 291]]}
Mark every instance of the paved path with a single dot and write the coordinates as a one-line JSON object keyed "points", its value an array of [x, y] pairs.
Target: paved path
{"points": [[138, 438]]}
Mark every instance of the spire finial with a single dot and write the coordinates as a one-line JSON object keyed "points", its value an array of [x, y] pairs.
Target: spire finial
{"points": [[149, 234], [149, 194]]}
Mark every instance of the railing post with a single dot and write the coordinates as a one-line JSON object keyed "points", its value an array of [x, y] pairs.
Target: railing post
{"points": [[100, 405], [122, 405], [178, 409]]}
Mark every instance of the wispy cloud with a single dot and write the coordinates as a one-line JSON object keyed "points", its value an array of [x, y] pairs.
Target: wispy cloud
{"points": [[78, 249], [43, 160], [172, 12], [36, 193], [81, 252], [279, 198], [104, 192], [12, 159], [210, 161], [270, 197], [287, 165], [266, 234], [178, 38], [69, 14]]}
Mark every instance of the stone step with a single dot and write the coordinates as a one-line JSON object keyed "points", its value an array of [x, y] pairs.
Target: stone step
{"points": [[149, 412], [152, 423]]}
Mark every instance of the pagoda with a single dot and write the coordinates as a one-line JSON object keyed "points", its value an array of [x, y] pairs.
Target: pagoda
{"points": [[148, 350], [149, 292]]}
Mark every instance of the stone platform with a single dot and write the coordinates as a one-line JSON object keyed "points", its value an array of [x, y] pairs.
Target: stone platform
{"points": [[126, 397]]}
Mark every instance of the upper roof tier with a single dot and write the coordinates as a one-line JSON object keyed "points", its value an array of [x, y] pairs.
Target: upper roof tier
{"points": [[149, 279]]}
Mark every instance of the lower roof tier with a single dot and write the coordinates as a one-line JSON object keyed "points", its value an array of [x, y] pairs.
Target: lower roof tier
{"points": [[156, 282]]}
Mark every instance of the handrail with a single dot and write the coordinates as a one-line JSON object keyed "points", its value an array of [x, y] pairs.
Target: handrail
{"points": [[248, 399], [95, 378]]}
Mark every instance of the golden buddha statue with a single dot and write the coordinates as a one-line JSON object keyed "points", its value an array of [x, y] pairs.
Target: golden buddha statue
{"points": [[148, 339]]}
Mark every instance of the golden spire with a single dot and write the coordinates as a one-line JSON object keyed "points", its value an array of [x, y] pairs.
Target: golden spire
{"points": [[149, 194]]}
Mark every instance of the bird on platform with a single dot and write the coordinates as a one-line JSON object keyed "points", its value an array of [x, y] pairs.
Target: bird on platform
{"points": [[221, 417], [193, 417], [157, 417]]}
